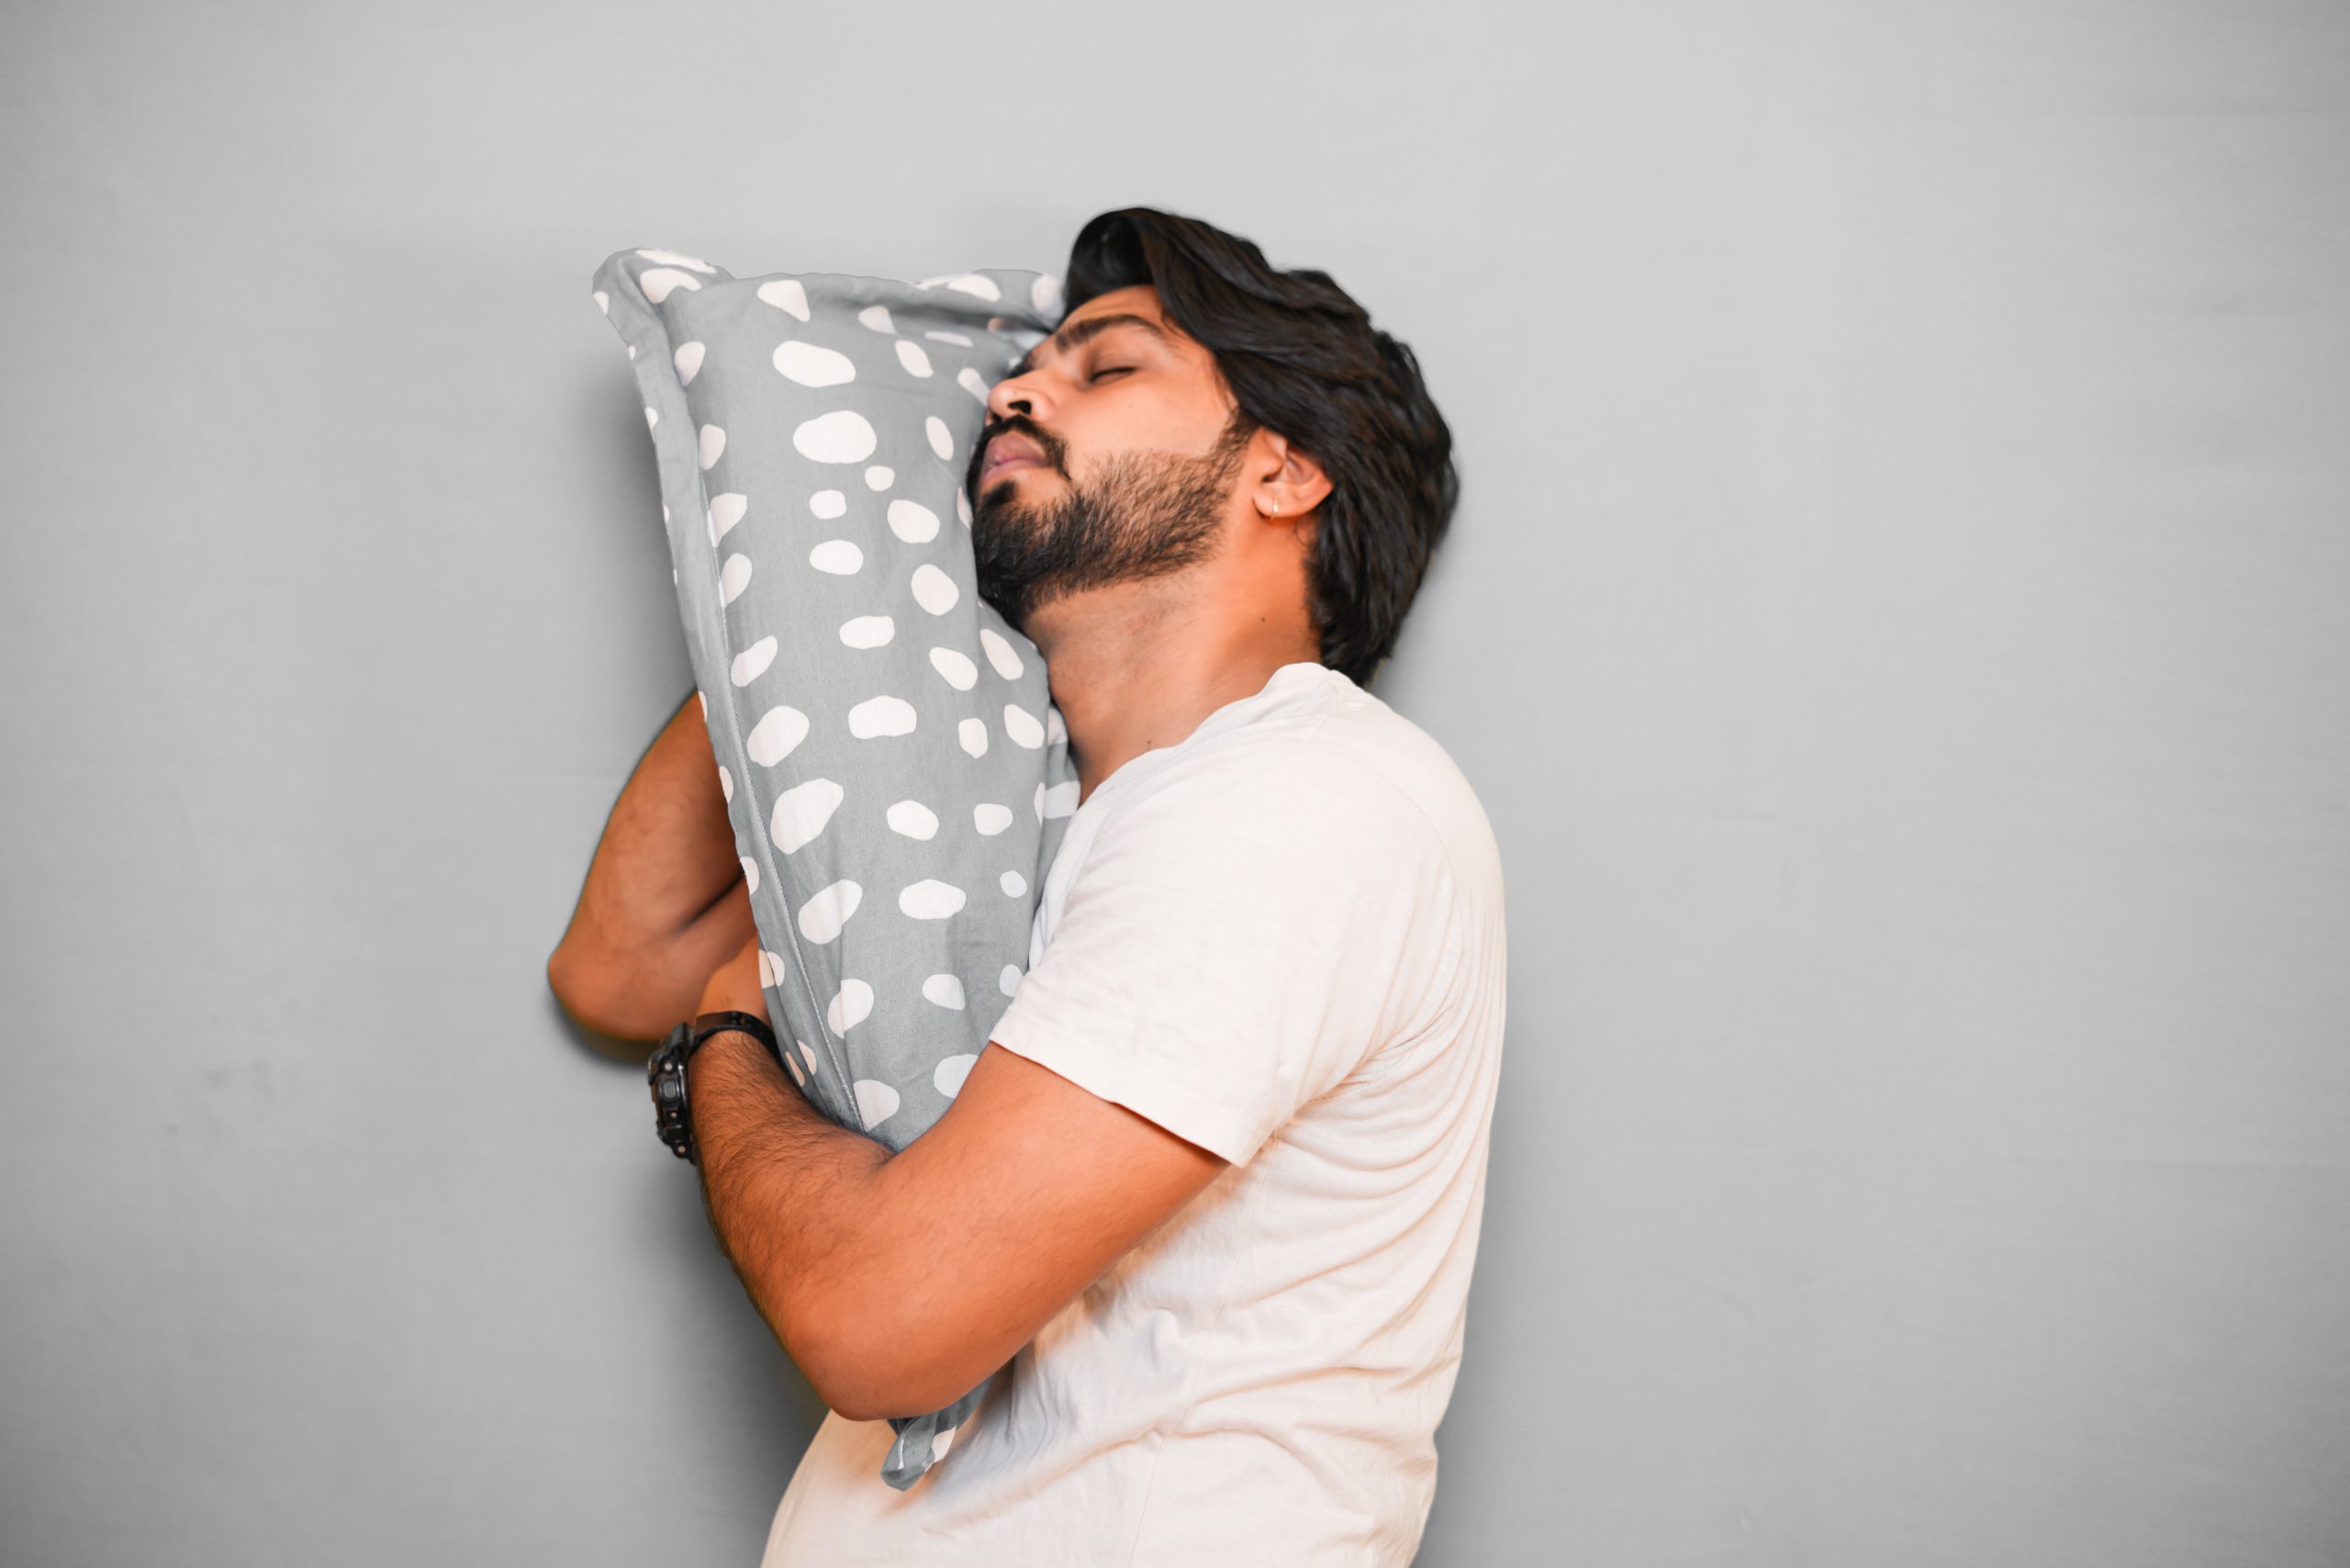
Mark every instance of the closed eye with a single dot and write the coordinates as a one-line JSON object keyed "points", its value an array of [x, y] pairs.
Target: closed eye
{"points": [[1112, 370]]}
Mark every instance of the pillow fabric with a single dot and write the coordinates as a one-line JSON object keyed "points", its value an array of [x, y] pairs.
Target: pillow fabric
{"points": [[896, 774]]}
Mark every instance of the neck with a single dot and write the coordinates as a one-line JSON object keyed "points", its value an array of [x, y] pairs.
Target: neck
{"points": [[1136, 666]]}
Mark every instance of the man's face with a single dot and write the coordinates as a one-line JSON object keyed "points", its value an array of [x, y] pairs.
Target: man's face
{"points": [[1116, 463]]}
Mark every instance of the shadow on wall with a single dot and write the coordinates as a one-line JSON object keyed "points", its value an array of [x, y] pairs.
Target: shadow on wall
{"points": [[750, 1402], [719, 1347], [607, 1047]]}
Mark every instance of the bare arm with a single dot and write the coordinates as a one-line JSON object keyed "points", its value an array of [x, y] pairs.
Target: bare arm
{"points": [[665, 904], [898, 1282]]}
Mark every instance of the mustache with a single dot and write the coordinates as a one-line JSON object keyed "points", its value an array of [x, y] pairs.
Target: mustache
{"points": [[1024, 425]]}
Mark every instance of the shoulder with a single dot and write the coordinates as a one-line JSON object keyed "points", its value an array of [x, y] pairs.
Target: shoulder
{"points": [[1282, 779], [1411, 763], [1344, 772]]}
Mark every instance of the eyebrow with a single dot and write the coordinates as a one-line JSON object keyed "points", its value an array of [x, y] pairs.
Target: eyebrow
{"points": [[1076, 334]]}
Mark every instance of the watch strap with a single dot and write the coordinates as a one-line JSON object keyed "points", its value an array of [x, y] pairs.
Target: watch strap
{"points": [[666, 1071], [708, 1024]]}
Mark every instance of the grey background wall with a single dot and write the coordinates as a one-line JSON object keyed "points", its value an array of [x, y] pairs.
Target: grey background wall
{"points": [[1895, 624]]}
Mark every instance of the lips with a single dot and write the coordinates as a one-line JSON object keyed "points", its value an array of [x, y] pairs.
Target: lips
{"points": [[1010, 450]]}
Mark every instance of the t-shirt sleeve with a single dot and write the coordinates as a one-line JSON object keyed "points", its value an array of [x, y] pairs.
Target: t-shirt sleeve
{"points": [[1246, 931]]}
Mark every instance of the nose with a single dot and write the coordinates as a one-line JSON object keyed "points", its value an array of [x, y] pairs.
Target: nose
{"points": [[1015, 395]]}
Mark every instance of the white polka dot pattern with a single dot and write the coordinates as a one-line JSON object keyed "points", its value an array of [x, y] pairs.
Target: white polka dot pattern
{"points": [[733, 578], [828, 908], [931, 899], [752, 661], [812, 430], [1001, 654], [786, 295], [725, 511], [852, 1005], [876, 1101], [913, 819], [882, 715], [659, 283], [868, 630], [778, 732], [838, 557], [933, 590], [917, 525], [958, 667], [841, 436], [672, 259], [802, 813], [812, 367]]}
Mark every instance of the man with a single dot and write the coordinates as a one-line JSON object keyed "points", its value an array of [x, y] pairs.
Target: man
{"points": [[1214, 1187]]}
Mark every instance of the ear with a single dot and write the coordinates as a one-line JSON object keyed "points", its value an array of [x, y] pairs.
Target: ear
{"points": [[1292, 484]]}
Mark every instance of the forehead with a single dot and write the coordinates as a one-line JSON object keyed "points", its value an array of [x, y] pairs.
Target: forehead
{"points": [[1135, 309], [1136, 299]]}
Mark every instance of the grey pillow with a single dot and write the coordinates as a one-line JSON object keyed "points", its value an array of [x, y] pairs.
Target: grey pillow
{"points": [[896, 774]]}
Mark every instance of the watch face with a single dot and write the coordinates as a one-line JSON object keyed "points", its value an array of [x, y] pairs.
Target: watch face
{"points": [[667, 1072]]}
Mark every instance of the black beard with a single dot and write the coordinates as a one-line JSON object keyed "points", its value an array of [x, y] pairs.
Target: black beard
{"points": [[1146, 515]]}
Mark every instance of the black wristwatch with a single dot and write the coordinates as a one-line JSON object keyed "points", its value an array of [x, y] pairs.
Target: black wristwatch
{"points": [[666, 1070]]}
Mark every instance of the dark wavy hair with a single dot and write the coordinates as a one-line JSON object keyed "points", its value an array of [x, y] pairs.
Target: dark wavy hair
{"points": [[1303, 359]]}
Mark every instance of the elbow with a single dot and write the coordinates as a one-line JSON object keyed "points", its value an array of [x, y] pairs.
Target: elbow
{"points": [[853, 1376], [867, 1365], [864, 1394], [873, 1381], [560, 977], [855, 1406], [568, 980], [584, 986]]}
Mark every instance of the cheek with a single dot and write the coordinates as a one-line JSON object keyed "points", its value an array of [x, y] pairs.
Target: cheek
{"points": [[1148, 419]]}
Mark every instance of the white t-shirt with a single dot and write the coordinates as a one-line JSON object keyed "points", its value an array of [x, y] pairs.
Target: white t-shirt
{"points": [[1282, 939]]}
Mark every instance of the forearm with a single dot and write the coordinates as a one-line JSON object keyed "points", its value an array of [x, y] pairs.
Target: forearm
{"points": [[790, 1192], [663, 902]]}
